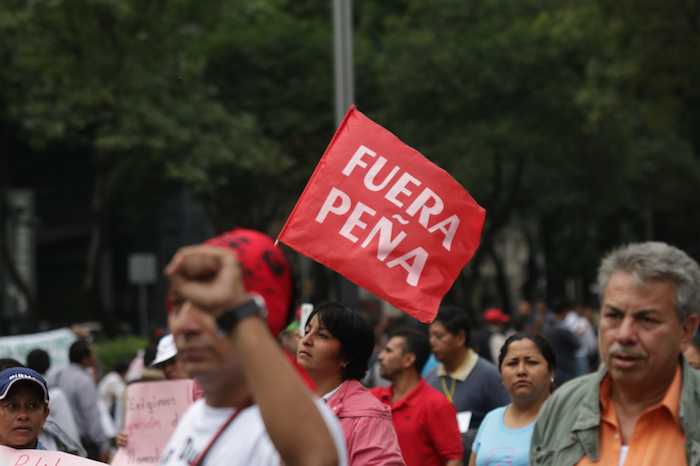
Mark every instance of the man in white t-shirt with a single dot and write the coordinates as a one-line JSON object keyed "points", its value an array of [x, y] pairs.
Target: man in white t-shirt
{"points": [[219, 292], [583, 331]]}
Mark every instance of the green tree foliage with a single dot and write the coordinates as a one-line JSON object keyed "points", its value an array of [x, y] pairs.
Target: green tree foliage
{"points": [[124, 81], [643, 82], [277, 66], [576, 122], [570, 121], [123, 347], [486, 91]]}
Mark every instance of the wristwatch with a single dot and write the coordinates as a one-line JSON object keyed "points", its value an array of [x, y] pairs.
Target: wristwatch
{"points": [[255, 305]]}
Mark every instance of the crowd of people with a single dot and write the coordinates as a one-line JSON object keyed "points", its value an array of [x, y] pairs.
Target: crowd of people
{"points": [[339, 389]]}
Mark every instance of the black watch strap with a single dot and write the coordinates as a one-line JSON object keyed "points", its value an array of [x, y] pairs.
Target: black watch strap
{"points": [[231, 317]]}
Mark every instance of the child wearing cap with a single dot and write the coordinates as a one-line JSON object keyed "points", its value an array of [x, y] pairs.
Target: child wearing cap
{"points": [[24, 407]]}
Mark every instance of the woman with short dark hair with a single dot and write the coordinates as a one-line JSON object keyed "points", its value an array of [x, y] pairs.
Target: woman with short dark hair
{"points": [[335, 351]]}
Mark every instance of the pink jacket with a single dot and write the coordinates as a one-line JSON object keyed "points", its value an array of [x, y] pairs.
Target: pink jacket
{"points": [[366, 421]]}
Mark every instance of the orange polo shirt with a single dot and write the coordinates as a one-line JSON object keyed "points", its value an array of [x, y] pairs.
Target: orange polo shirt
{"points": [[658, 437]]}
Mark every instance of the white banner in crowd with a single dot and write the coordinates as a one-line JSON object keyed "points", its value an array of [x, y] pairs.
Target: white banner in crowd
{"points": [[55, 342]]}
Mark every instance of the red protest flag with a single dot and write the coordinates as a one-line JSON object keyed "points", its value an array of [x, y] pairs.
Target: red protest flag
{"points": [[378, 212]]}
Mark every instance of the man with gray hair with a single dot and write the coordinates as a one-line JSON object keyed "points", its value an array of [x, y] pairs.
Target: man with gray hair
{"points": [[642, 406]]}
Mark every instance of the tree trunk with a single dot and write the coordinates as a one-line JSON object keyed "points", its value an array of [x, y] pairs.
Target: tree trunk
{"points": [[501, 282], [98, 227], [5, 257], [499, 206]]}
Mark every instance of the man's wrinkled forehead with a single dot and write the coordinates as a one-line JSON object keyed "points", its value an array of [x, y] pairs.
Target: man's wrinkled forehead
{"points": [[641, 284]]}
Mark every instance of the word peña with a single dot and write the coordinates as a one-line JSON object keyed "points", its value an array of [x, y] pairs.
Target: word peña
{"points": [[447, 226], [428, 203]]}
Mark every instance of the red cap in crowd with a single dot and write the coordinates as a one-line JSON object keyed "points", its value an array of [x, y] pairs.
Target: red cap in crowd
{"points": [[495, 315]]}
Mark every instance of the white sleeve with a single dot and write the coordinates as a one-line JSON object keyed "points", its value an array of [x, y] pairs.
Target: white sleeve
{"points": [[336, 431], [495, 344]]}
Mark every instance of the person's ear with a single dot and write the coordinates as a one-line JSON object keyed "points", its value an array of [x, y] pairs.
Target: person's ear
{"points": [[409, 359], [688, 327], [462, 337]]}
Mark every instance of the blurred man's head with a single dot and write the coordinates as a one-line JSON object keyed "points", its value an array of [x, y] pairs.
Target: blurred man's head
{"points": [[121, 366], [39, 360], [265, 272], [406, 350], [525, 309], [450, 333], [81, 352], [541, 306]]}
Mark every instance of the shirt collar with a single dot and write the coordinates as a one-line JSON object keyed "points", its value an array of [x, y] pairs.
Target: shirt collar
{"points": [[463, 370], [412, 399], [328, 395], [671, 400]]}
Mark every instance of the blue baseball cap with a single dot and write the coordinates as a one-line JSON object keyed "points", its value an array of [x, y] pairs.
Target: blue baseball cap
{"points": [[10, 376]]}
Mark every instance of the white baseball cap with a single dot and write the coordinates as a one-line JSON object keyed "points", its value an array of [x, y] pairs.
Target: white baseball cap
{"points": [[166, 350]]}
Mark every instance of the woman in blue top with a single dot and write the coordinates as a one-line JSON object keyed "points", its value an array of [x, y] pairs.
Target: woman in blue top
{"points": [[527, 364]]}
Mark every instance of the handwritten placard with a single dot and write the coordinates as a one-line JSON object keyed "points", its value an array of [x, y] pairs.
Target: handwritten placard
{"points": [[153, 410], [15, 457]]}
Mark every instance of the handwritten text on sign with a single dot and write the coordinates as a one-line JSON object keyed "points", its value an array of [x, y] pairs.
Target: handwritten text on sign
{"points": [[381, 214], [14, 457], [153, 410]]}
